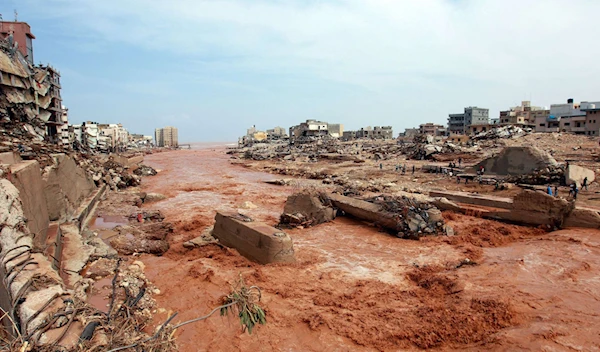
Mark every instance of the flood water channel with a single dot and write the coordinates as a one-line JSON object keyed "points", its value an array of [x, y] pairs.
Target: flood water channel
{"points": [[349, 277]]}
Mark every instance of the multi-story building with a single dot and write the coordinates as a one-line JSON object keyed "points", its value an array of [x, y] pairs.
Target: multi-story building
{"points": [[523, 115], [90, 134], [19, 33], [34, 90], [166, 137], [432, 129], [459, 123], [117, 134], [592, 119], [65, 139]]}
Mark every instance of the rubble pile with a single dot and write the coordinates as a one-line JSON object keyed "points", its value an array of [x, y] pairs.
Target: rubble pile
{"points": [[144, 170], [413, 218], [548, 175], [423, 147], [502, 132]]}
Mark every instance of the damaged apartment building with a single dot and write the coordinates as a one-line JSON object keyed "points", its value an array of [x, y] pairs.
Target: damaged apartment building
{"points": [[377, 132], [313, 129], [30, 94]]}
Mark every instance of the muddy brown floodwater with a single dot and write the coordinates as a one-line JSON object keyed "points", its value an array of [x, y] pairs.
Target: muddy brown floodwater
{"points": [[357, 289]]}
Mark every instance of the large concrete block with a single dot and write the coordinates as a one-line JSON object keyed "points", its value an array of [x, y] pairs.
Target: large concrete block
{"points": [[27, 177], [365, 211], [517, 161], [254, 240], [128, 161], [310, 205], [66, 186], [576, 174], [10, 158], [583, 217]]}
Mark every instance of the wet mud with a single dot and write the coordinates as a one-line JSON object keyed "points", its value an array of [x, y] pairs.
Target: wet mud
{"points": [[492, 286]]}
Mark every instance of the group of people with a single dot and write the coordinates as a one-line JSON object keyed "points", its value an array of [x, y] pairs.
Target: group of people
{"points": [[573, 189], [402, 168], [452, 164]]}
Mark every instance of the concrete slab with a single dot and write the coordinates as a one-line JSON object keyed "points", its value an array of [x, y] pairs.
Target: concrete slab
{"points": [[364, 211], [473, 198], [27, 177], [65, 186], [256, 241]]}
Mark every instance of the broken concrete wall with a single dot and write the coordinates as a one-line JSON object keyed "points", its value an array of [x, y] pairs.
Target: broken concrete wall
{"points": [[21, 266], [254, 240], [27, 177], [128, 161], [517, 161], [66, 185], [577, 174]]}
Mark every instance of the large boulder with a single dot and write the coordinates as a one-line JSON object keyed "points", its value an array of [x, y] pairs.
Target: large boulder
{"points": [[307, 209], [517, 161], [576, 174]]}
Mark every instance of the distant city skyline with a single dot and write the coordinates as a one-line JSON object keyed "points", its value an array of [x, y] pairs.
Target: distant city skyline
{"points": [[214, 68]]}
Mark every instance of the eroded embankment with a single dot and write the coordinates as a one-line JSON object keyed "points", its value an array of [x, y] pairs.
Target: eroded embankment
{"points": [[354, 288]]}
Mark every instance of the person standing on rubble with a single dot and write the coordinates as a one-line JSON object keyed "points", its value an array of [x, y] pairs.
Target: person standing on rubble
{"points": [[549, 190], [459, 162], [413, 170], [585, 183], [556, 191]]}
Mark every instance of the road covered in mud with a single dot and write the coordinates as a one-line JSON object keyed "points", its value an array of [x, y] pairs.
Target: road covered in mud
{"points": [[492, 285]]}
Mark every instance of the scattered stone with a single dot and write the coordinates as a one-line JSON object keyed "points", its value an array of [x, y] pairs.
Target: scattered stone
{"points": [[144, 170]]}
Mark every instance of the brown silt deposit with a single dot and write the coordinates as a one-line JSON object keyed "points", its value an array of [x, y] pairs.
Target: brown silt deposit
{"points": [[486, 286]]}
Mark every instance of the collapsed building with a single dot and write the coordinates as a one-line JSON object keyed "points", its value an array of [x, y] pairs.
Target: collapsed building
{"points": [[377, 132], [253, 135], [31, 94], [313, 129]]}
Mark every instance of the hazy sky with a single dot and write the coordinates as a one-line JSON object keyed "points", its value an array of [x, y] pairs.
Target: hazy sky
{"points": [[212, 68]]}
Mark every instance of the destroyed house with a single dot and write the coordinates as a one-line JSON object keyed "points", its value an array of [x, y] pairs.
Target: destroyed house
{"points": [[315, 129], [377, 132]]}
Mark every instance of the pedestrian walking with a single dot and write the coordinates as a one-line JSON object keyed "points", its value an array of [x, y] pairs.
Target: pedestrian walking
{"points": [[457, 179], [585, 184]]}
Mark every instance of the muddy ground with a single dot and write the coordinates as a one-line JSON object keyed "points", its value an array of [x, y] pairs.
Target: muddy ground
{"points": [[355, 288]]}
